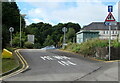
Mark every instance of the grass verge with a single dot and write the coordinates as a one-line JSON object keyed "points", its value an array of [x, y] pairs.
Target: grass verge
{"points": [[9, 64]]}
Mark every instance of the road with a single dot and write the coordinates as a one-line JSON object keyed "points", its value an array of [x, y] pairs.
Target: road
{"points": [[55, 65]]}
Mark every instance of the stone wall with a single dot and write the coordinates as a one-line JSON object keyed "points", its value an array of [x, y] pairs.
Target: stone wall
{"points": [[103, 53]]}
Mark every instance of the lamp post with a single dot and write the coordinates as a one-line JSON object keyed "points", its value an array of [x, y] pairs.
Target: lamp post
{"points": [[21, 15]]}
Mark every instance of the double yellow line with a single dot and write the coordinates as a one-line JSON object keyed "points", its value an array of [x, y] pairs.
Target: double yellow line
{"points": [[24, 66]]}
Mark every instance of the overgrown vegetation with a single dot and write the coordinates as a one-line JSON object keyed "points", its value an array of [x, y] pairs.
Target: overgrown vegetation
{"points": [[89, 47], [28, 45]]}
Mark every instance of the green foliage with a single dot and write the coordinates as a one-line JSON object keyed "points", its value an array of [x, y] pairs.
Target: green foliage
{"points": [[42, 30], [10, 18], [73, 47], [5, 36], [9, 64], [115, 43], [88, 47], [28, 45], [37, 46], [16, 39], [48, 41], [70, 35]]}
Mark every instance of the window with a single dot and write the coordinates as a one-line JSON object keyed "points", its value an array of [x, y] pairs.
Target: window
{"points": [[106, 32], [112, 32], [103, 32], [116, 32]]}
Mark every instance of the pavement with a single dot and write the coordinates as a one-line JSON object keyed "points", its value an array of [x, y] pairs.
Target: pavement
{"points": [[55, 65]]}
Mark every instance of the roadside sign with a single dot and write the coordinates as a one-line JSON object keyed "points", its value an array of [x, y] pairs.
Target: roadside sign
{"points": [[110, 8], [110, 17], [31, 38], [110, 23], [64, 29], [11, 29]]}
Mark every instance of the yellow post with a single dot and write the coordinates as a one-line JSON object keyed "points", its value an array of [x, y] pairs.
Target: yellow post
{"points": [[6, 54]]}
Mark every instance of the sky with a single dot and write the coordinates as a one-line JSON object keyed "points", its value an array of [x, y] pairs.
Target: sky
{"points": [[83, 12]]}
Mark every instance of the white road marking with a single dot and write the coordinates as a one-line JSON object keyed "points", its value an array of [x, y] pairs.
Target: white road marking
{"points": [[66, 63], [54, 57], [60, 60], [61, 63], [71, 63], [46, 57], [61, 57]]}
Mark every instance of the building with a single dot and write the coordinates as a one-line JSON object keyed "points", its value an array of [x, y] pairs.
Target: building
{"points": [[83, 36], [102, 29]]}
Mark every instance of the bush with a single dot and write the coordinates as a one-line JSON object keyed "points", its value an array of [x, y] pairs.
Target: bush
{"points": [[28, 45], [88, 47], [72, 47], [37, 46], [115, 43]]}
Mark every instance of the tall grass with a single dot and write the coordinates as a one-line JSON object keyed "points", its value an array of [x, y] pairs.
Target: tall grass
{"points": [[89, 47]]}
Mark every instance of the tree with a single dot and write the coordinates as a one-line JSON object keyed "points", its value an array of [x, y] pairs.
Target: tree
{"points": [[75, 26], [70, 35], [48, 41], [16, 39], [42, 30], [10, 18]]}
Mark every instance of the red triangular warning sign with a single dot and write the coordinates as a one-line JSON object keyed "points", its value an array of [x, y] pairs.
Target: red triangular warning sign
{"points": [[110, 17]]}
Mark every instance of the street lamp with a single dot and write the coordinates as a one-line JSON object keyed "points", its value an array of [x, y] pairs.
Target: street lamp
{"points": [[21, 15]]}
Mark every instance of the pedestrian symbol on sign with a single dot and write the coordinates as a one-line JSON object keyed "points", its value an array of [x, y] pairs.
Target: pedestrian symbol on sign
{"points": [[110, 17]]}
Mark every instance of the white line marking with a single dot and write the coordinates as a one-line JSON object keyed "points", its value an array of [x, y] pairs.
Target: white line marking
{"points": [[61, 63], [66, 63], [71, 63], [47, 57]]}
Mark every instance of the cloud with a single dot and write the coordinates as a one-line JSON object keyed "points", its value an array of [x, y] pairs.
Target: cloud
{"points": [[36, 20], [66, 0], [83, 13], [27, 22]]}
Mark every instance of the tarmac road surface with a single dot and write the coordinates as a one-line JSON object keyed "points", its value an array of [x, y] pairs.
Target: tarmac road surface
{"points": [[55, 65]]}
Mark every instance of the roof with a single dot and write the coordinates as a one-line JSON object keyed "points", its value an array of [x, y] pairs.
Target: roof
{"points": [[82, 31], [100, 26]]}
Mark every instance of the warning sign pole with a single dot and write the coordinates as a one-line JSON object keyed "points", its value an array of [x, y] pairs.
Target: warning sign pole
{"points": [[108, 21], [109, 41]]}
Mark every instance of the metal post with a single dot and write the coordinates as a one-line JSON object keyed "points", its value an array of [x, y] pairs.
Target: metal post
{"points": [[109, 41], [11, 38], [64, 41], [64, 37], [20, 30]]}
